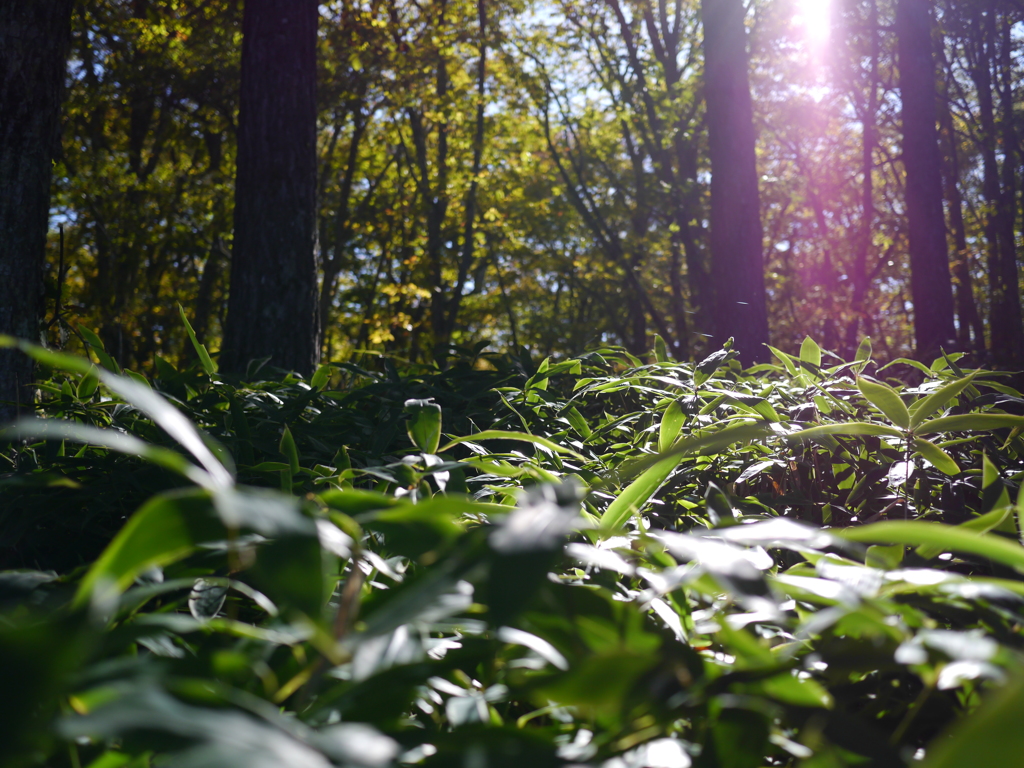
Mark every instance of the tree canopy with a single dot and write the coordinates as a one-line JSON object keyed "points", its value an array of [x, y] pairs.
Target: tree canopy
{"points": [[540, 174]]}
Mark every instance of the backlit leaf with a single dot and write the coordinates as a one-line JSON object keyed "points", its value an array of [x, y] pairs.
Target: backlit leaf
{"points": [[938, 399], [424, 425], [938, 458], [970, 422], [204, 357], [886, 400]]}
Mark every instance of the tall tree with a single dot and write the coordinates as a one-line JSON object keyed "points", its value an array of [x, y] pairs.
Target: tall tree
{"points": [[930, 284], [1007, 330], [737, 260], [970, 329], [34, 38], [272, 304]]}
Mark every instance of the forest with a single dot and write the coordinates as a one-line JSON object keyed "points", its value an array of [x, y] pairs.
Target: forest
{"points": [[632, 384], [540, 176]]}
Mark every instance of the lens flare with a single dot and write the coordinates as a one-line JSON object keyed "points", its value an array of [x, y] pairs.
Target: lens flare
{"points": [[815, 17]]}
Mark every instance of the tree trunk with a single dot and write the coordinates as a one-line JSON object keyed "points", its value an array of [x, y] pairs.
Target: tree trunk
{"points": [[34, 41], [859, 273], [930, 283], [970, 329], [272, 304], [1010, 351], [983, 43], [470, 202], [1004, 321], [736, 235]]}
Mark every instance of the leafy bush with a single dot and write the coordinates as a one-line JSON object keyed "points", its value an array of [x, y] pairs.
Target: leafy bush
{"points": [[589, 562]]}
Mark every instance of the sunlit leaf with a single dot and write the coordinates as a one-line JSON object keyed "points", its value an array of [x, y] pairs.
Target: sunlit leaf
{"points": [[885, 399], [424, 425], [916, 533], [929, 404], [51, 429], [937, 457], [204, 357], [636, 494], [969, 422], [165, 529], [495, 434], [848, 428], [671, 424], [810, 352]]}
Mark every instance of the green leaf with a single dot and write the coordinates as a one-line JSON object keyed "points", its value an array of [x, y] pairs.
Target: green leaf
{"points": [[990, 737], [918, 365], [96, 345], [792, 690], [88, 385], [289, 450], [847, 428], [864, 350], [981, 524], [497, 434], [57, 360], [739, 738], [578, 422], [353, 501], [951, 361], [540, 379], [637, 493], [706, 368], [787, 360], [1020, 513], [885, 557], [165, 529], [929, 404], [704, 444], [661, 350], [970, 422], [143, 397], [885, 399], [424, 425], [939, 459], [289, 571], [989, 473], [994, 495], [671, 424], [810, 352], [916, 533], [322, 377], [204, 357], [412, 529], [53, 429], [599, 683], [268, 513], [719, 508]]}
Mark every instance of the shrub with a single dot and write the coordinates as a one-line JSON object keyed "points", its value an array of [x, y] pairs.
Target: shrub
{"points": [[596, 561]]}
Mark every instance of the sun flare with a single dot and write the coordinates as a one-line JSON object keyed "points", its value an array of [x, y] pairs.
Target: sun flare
{"points": [[815, 17]]}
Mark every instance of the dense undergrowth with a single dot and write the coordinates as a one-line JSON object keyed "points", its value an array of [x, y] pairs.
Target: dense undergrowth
{"points": [[592, 562]]}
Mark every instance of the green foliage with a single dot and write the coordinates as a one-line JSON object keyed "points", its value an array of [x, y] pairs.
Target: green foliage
{"points": [[589, 562]]}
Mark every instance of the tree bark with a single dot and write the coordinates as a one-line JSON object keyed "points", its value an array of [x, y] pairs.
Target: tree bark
{"points": [[34, 41], [930, 283], [1010, 334], [983, 42], [272, 304], [737, 261], [470, 202], [970, 329], [859, 273]]}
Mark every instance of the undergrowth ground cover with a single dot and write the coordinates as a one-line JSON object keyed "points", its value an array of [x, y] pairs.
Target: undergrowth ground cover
{"points": [[602, 561]]}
